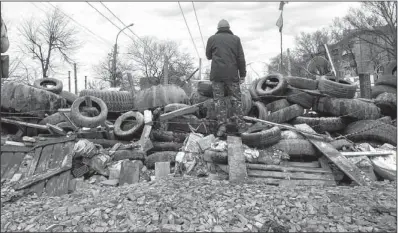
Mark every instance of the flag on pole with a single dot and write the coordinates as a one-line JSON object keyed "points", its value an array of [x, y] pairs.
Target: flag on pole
{"points": [[279, 23]]}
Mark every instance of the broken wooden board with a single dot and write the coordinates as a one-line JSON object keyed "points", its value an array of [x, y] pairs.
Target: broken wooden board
{"points": [[314, 164], [42, 166], [11, 148], [64, 177], [145, 145], [148, 117], [317, 183], [36, 156], [55, 162], [286, 169], [351, 154], [236, 159], [336, 157], [42, 177], [12, 164], [289, 175], [57, 140], [180, 112]]}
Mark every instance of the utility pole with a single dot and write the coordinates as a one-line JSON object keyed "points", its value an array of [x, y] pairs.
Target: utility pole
{"points": [[85, 82], [114, 66], [75, 78], [69, 84], [200, 69], [289, 67], [166, 70]]}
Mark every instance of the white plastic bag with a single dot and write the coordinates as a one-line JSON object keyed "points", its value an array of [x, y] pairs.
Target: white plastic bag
{"points": [[87, 149]]}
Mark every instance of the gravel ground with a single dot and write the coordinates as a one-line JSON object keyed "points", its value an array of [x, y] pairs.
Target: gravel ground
{"points": [[199, 204]]}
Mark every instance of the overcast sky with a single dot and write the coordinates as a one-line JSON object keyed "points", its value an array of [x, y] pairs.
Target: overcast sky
{"points": [[253, 22]]}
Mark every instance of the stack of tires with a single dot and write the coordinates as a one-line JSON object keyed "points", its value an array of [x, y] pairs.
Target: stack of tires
{"points": [[324, 104], [33, 100], [384, 92]]}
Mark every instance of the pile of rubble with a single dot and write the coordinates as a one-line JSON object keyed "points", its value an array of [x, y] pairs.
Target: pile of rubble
{"points": [[311, 131]]}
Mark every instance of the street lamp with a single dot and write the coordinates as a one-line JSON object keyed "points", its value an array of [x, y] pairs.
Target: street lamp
{"points": [[115, 52]]}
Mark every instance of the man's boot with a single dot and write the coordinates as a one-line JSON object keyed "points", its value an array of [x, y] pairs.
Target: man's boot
{"points": [[222, 129]]}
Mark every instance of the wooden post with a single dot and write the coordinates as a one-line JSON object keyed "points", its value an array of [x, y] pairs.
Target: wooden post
{"points": [[236, 159], [74, 65], [365, 86], [162, 169], [166, 70], [69, 84], [85, 82], [289, 67], [331, 62], [200, 69]]}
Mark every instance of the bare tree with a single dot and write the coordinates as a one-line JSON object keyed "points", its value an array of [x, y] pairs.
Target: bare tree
{"points": [[148, 56], [104, 70], [97, 84], [309, 50], [48, 39], [378, 20]]}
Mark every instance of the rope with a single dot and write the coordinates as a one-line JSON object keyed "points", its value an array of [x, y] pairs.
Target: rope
{"points": [[182, 12]]}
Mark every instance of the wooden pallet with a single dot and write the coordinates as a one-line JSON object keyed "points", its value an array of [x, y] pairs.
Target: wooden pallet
{"points": [[37, 160], [316, 173]]}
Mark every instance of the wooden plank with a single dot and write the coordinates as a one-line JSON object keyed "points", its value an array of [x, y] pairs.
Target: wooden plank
{"points": [[65, 177], [6, 158], [269, 181], [236, 159], [148, 117], [41, 177], [35, 161], [162, 170], [55, 162], [289, 175], [180, 112], [145, 137], [367, 153], [285, 169], [106, 143], [336, 157], [13, 165], [314, 164], [51, 141], [25, 164], [318, 183], [42, 166], [11, 148]]}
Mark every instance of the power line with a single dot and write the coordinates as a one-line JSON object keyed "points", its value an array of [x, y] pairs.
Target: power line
{"points": [[182, 12], [38, 7], [80, 24], [117, 18], [197, 21], [126, 26], [109, 20]]}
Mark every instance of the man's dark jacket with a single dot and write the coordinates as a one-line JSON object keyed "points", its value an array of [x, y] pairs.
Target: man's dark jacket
{"points": [[226, 52]]}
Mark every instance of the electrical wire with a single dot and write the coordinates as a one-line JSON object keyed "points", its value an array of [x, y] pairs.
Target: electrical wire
{"points": [[104, 40], [108, 19], [182, 12], [197, 21], [145, 46]]}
